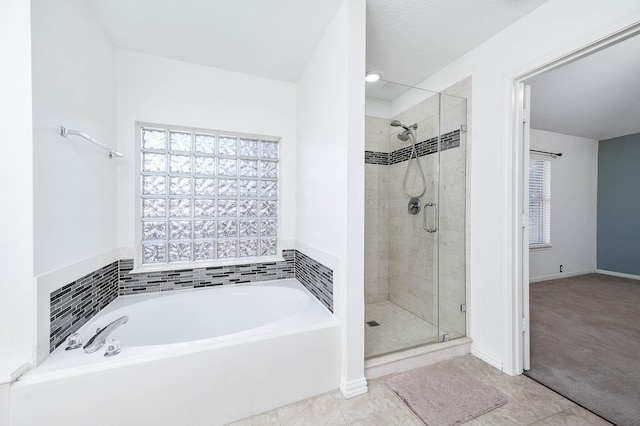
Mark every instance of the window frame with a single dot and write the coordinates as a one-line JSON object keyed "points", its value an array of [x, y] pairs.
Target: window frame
{"points": [[546, 206], [139, 266]]}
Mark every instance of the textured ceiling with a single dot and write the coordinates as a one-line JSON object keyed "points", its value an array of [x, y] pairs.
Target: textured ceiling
{"points": [[410, 40], [267, 38], [596, 97], [407, 40]]}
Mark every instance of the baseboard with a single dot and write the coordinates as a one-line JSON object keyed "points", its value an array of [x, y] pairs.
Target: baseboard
{"points": [[562, 275], [618, 274], [486, 356], [353, 388]]}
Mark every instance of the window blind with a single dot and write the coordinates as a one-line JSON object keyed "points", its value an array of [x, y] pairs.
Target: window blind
{"points": [[539, 202]]}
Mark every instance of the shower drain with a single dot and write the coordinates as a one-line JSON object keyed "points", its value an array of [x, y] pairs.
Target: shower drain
{"points": [[372, 324]]}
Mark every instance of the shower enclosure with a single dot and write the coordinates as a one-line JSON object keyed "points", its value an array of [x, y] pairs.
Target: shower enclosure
{"points": [[415, 217]]}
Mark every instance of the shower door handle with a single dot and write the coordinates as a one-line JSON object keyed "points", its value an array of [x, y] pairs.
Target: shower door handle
{"points": [[424, 217]]}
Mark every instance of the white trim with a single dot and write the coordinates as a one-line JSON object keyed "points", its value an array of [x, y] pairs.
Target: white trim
{"points": [[176, 266], [63, 275], [10, 372], [540, 246], [486, 356], [353, 388], [617, 274], [512, 260], [327, 259], [563, 275]]}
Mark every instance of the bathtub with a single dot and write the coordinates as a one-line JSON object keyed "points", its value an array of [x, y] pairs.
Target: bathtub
{"points": [[202, 356]]}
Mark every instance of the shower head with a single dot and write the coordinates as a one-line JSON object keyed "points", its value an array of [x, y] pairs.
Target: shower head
{"points": [[397, 123], [404, 136]]}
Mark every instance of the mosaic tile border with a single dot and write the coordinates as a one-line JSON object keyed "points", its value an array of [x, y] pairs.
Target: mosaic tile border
{"points": [[375, 157], [430, 146], [152, 282], [316, 278], [77, 302]]}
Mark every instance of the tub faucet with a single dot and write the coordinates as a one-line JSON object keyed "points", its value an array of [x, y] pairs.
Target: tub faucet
{"points": [[100, 337]]}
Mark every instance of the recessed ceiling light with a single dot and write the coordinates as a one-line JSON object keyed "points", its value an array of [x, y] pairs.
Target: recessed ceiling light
{"points": [[372, 76]]}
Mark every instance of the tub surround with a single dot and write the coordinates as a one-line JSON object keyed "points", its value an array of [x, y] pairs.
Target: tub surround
{"points": [[316, 278], [77, 302]]}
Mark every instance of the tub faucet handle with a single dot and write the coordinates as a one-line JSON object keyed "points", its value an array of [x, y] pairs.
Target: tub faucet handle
{"points": [[74, 341], [113, 347]]}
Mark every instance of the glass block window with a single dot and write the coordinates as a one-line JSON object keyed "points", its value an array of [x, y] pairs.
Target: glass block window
{"points": [[206, 196]]}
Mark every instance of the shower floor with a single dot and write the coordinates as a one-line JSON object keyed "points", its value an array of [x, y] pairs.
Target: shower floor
{"points": [[398, 329]]}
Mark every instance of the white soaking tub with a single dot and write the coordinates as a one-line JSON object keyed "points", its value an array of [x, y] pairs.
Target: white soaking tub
{"points": [[202, 356]]}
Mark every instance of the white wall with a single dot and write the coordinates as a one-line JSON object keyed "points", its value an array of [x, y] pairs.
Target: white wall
{"points": [[330, 175], [74, 180], [556, 28], [16, 192], [574, 187], [166, 91]]}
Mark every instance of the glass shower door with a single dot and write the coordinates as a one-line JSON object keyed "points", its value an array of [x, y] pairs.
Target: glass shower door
{"points": [[415, 192], [452, 196], [413, 198]]}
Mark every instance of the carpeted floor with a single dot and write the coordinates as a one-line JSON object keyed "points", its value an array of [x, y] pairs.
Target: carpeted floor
{"points": [[585, 343]]}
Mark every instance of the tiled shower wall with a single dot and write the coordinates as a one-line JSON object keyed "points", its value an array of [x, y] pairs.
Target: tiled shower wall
{"points": [[77, 302], [376, 272]]}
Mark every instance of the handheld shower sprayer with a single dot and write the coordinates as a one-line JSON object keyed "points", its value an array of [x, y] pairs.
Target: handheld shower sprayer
{"points": [[409, 133], [397, 123]]}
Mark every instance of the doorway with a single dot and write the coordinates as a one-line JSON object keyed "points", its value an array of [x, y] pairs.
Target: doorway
{"points": [[578, 131]]}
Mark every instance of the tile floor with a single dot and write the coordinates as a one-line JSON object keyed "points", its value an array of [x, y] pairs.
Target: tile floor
{"points": [[529, 404], [398, 329]]}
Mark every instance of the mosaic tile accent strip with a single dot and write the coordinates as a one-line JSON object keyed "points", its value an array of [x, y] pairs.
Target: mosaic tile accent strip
{"points": [[375, 157], [77, 302], [426, 147], [152, 282], [316, 277]]}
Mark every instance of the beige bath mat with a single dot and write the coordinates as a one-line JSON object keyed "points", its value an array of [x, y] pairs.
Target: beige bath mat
{"points": [[444, 394]]}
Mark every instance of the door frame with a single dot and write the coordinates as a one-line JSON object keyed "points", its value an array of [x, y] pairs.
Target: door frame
{"points": [[519, 216]]}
